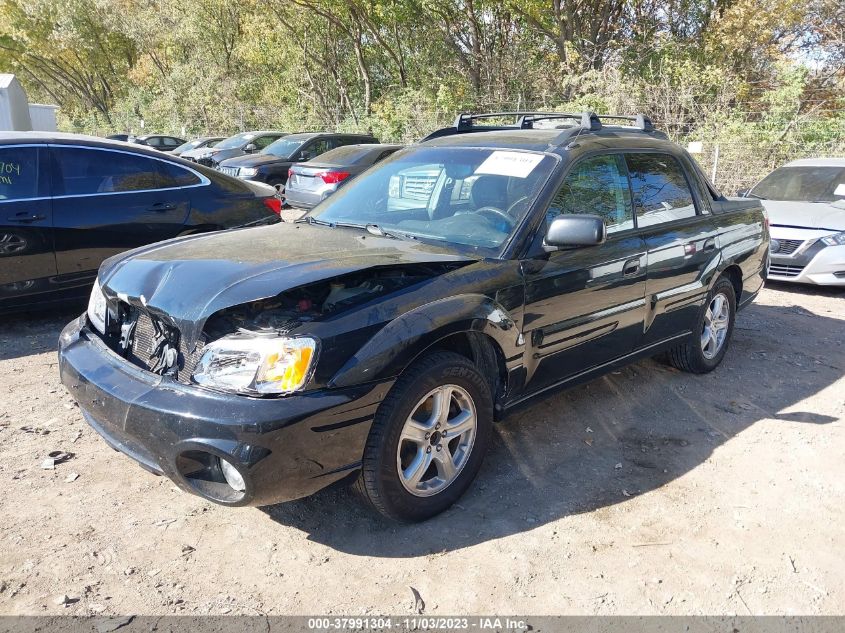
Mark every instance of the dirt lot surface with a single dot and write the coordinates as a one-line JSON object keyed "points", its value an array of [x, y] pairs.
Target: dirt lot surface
{"points": [[647, 491]]}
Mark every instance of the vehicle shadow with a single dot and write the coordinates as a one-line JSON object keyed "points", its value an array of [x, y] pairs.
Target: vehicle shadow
{"points": [[602, 443], [27, 333]]}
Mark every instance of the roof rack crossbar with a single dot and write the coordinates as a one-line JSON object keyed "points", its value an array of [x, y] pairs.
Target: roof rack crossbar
{"points": [[640, 120], [525, 119]]}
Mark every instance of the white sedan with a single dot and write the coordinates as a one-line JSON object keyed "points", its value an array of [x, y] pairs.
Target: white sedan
{"points": [[805, 201]]}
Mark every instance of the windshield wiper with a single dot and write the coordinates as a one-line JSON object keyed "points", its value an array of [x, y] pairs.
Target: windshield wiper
{"points": [[311, 220], [375, 229], [754, 195]]}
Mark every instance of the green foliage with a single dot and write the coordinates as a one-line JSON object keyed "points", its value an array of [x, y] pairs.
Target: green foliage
{"points": [[761, 78]]}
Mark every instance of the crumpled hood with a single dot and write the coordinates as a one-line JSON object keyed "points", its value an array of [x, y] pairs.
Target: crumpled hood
{"points": [[809, 215], [188, 279]]}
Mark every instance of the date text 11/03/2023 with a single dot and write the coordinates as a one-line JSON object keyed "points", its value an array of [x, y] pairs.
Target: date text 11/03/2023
{"points": [[421, 623]]}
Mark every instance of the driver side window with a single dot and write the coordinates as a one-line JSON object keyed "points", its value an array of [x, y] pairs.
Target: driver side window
{"points": [[599, 186]]}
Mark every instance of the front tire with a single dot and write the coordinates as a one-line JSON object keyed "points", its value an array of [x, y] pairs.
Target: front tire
{"points": [[706, 346], [428, 438]]}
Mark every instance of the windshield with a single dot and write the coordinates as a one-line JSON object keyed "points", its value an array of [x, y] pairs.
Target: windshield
{"points": [[802, 184], [284, 147], [234, 142], [462, 196], [184, 147], [349, 154]]}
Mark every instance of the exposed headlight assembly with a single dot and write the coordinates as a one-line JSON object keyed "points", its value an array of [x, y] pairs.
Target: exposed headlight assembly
{"points": [[256, 364], [247, 171], [837, 239], [97, 308]]}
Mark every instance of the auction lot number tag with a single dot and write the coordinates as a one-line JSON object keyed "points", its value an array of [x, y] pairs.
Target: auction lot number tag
{"points": [[517, 164]]}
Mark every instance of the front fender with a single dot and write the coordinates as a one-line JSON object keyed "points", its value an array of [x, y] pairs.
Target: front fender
{"points": [[397, 344]]}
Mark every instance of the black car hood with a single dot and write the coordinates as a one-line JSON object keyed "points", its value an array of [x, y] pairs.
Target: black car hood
{"points": [[254, 160], [188, 279]]}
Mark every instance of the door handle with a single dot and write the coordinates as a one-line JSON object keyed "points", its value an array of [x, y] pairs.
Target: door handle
{"points": [[26, 218], [161, 207], [710, 244], [631, 267]]}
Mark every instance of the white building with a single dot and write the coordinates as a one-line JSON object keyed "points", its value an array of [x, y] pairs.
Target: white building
{"points": [[17, 114]]}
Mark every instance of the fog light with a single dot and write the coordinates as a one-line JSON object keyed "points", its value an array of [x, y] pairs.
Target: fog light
{"points": [[232, 476]]}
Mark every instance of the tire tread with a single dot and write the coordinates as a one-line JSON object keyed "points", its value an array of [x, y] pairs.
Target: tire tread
{"points": [[366, 485]]}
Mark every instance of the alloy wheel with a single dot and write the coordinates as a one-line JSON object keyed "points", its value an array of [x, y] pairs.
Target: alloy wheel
{"points": [[716, 322], [436, 440]]}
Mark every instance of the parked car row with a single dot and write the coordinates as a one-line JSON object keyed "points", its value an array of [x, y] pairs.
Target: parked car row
{"points": [[271, 164], [268, 156]]}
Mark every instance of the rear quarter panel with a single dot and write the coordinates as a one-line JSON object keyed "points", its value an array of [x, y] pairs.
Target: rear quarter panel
{"points": [[744, 241], [226, 203]]}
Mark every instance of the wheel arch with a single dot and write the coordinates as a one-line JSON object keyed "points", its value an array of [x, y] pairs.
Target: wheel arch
{"points": [[734, 274], [473, 326]]}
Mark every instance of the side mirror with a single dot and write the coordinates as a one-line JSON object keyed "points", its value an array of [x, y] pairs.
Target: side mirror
{"points": [[575, 230], [251, 147], [742, 193]]}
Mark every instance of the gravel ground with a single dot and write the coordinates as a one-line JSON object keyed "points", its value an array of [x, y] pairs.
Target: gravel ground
{"points": [[648, 491]]}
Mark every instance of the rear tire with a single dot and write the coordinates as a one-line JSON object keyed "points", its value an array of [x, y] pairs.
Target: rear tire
{"points": [[706, 346], [428, 439]]}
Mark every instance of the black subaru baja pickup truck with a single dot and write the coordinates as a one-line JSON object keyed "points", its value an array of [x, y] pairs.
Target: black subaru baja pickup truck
{"points": [[378, 338]]}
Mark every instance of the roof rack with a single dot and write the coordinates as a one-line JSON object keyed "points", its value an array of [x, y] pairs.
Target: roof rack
{"points": [[582, 121]]}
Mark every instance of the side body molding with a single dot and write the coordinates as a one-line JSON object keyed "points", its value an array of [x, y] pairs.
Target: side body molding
{"points": [[403, 339]]}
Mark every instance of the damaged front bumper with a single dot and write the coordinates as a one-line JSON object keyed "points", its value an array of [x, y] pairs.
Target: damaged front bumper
{"points": [[282, 448]]}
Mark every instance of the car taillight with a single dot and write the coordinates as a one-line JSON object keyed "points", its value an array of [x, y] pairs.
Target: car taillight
{"points": [[290, 174], [333, 177], [274, 204]]}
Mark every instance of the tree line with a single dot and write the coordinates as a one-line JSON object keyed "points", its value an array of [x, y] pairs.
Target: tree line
{"points": [[764, 71]]}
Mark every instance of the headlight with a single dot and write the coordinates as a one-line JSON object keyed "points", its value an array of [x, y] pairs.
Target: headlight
{"points": [[257, 364], [97, 308], [837, 239], [247, 171]]}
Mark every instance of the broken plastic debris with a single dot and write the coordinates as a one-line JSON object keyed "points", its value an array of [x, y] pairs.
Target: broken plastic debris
{"points": [[419, 603], [55, 457]]}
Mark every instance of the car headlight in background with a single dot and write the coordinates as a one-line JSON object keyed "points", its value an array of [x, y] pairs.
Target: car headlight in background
{"points": [[247, 171], [97, 308], [837, 239], [257, 364]]}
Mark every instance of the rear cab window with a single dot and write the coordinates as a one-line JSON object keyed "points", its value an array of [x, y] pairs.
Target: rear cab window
{"points": [[21, 176], [660, 187]]}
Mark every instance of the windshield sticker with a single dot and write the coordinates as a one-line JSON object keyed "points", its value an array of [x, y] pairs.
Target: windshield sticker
{"points": [[517, 164], [8, 171], [840, 189]]}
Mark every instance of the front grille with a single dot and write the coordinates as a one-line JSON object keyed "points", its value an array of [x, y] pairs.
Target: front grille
{"points": [[143, 344], [229, 171], [786, 247], [782, 270]]}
